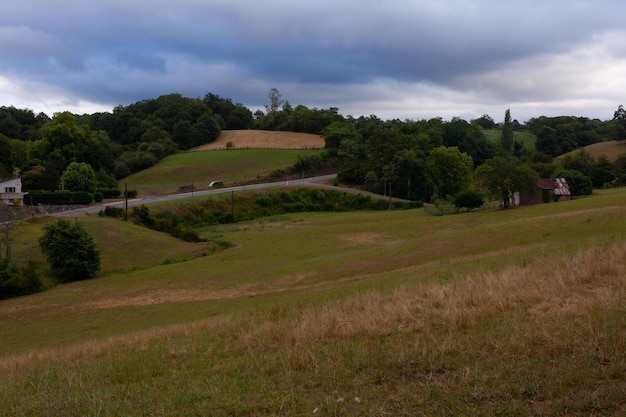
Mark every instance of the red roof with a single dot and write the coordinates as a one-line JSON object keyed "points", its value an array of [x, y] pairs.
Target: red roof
{"points": [[558, 185]]}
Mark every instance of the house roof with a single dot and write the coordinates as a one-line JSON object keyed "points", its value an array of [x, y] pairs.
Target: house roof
{"points": [[558, 185], [562, 188]]}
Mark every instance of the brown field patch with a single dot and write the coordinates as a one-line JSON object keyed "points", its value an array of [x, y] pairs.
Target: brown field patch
{"points": [[360, 239], [242, 139]]}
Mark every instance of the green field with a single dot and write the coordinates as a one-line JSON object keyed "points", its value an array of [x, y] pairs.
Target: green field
{"points": [[610, 149], [202, 167], [508, 312], [526, 138]]}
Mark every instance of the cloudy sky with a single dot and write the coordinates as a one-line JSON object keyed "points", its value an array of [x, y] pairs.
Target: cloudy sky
{"points": [[405, 59]]}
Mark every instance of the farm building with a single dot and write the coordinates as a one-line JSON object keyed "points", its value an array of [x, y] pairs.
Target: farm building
{"points": [[548, 190], [11, 191]]}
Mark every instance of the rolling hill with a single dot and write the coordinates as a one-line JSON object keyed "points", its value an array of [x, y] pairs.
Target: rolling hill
{"points": [[506, 312]]}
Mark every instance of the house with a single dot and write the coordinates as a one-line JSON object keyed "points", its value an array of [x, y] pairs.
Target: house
{"points": [[548, 190], [11, 191]]}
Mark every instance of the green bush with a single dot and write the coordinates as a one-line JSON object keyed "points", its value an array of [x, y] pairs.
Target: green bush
{"points": [[468, 199], [15, 281], [110, 192], [58, 198], [70, 251]]}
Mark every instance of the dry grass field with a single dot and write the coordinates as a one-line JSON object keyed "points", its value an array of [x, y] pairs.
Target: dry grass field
{"points": [[242, 139]]}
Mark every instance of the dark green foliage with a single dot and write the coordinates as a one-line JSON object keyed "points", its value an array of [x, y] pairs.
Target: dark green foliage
{"points": [[58, 198], [70, 251], [15, 281], [620, 122], [109, 192], [250, 206], [110, 211], [468, 199], [165, 221], [506, 139], [485, 122], [559, 135], [579, 183], [79, 176]]}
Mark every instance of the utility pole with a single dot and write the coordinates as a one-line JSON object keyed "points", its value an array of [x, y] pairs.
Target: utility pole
{"points": [[126, 201]]}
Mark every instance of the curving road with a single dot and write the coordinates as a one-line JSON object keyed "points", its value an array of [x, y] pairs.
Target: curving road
{"points": [[94, 209]]}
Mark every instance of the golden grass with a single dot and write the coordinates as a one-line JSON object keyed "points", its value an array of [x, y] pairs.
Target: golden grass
{"points": [[610, 149], [242, 139]]}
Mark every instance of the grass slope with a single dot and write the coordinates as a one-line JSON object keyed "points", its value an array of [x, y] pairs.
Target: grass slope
{"points": [[526, 138], [516, 312], [611, 149], [244, 139], [200, 168]]}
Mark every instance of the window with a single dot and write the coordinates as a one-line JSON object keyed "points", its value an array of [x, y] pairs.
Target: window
{"points": [[9, 189]]}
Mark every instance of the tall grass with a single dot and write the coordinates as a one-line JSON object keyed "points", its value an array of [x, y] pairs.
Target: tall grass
{"points": [[516, 312], [545, 339]]}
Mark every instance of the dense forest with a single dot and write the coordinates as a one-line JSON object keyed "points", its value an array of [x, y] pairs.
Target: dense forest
{"points": [[414, 159]]}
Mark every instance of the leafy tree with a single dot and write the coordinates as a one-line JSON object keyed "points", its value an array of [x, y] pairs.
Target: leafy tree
{"points": [[276, 101], [6, 157], [503, 176], [506, 140], [80, 176], [335, 133], [581, 160], [484, 122], [63, 141], [601, 172], [70, 251], [450, 170], [469, 199], [579, 183], [620, 118]]}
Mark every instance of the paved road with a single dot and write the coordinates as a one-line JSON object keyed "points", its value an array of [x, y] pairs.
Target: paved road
{"points": [[94, 209]]}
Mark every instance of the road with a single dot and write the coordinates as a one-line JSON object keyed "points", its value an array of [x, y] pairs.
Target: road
{"points": [[94, 209]]}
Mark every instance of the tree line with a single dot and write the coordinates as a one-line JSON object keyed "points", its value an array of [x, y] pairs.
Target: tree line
{"points": [[413, 159]]}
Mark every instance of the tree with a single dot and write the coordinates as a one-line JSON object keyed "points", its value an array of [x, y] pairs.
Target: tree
{"points": [[79, 176], [450, 170], [502, 177], [506, 140], [468, 199], [276, 101], [484, 122], [70, 251], [579, 183], [620, 117]]}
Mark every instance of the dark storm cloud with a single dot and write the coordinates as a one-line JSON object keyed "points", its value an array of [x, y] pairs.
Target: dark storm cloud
{"points": [[397, 58]]}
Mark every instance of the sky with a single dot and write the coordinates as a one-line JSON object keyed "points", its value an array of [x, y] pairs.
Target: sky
{"points": [[396, 59]]}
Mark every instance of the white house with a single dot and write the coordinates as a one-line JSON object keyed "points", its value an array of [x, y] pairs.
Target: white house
{"points": [[11, 191]]}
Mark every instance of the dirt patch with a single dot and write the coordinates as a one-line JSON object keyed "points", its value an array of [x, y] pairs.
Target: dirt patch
{"points": [[360, 239], [242, 139]]}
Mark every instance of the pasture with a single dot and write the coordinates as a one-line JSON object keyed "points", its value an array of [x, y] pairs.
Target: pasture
{"points": [[526, 138], [514, 312], [201, 167], [610, 149]]}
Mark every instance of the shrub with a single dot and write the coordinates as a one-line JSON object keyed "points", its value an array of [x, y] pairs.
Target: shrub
{"points": [[468, 199], [70, 251]]}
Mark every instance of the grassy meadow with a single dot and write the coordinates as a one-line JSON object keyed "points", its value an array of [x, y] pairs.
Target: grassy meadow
{"points": [[527, 139], [508, 312], [610, 149], [201, 167]]}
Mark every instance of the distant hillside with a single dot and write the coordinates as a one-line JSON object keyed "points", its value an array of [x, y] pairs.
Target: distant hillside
{"points": [[264, 139], [611, 149]]}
